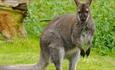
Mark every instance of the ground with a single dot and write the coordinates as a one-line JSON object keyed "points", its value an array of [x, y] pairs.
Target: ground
{"points": [[26, 51]]}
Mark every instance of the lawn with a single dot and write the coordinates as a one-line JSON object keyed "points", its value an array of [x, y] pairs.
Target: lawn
{"points": [[26, 51]]}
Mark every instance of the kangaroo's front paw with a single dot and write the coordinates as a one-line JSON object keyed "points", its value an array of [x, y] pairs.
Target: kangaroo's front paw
{"points": [[88, 52], [82, 53]]}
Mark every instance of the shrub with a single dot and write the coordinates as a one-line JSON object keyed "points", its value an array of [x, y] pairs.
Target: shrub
{"points": [[103, 12]]}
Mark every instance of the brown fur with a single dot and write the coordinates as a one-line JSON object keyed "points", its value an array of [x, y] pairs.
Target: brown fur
{"points": [[11, 28], [7, 27]]}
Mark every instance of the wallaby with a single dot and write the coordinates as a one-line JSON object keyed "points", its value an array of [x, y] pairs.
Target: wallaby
{"points": [[63, 38]]}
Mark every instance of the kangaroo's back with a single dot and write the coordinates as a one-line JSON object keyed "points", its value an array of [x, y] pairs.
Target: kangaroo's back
{"points": [[60, 26]]}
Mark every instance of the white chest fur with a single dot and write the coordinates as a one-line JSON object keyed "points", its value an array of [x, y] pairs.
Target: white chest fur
{"points": [[84, 37]]}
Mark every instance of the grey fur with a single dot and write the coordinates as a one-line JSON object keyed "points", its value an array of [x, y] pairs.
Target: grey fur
{"points": [[68, 34]]}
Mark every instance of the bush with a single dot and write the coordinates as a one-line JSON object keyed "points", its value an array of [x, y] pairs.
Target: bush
{"points": [[103, 12]]}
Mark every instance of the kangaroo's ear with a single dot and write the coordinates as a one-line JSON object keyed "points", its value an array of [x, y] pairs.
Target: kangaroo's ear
{"points": [[77, 2], [89, 2]]}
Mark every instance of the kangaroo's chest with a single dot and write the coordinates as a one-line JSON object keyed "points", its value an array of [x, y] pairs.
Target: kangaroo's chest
{"points": [[84, 32], [84, 37]]}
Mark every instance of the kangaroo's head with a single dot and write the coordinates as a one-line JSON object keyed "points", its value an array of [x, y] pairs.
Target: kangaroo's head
{"points": [[83, 11]]}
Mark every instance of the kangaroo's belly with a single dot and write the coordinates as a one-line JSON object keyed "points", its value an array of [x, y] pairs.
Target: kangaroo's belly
{"points": [[71, 52]]}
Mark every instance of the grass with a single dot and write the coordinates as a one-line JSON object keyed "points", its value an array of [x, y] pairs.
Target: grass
{"points": [[19, 51], [26, 51]]}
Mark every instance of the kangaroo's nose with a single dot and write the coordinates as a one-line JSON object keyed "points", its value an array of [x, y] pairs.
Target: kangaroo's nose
{"points": [[83, 18]]}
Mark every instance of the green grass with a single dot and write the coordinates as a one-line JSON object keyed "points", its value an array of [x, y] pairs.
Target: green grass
{"points": [[26, 51], [18, 51]]}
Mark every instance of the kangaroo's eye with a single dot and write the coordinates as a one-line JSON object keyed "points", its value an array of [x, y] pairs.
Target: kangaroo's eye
{"points": [[79, 11], [87, 10]]}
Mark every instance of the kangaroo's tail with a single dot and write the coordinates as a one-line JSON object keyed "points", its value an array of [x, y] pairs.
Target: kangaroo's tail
{"points": [[20, 67]]}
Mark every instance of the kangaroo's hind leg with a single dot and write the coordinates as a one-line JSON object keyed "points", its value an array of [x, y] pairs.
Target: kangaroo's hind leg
{"points": [[57, 55], [73, 60], [44, 61]]}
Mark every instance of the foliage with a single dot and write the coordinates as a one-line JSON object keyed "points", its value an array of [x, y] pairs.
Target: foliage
{"points": [[104, 15], [103, 12]]}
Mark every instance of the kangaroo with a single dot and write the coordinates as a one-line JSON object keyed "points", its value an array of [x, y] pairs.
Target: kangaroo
{"points": [[63, 38]]}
